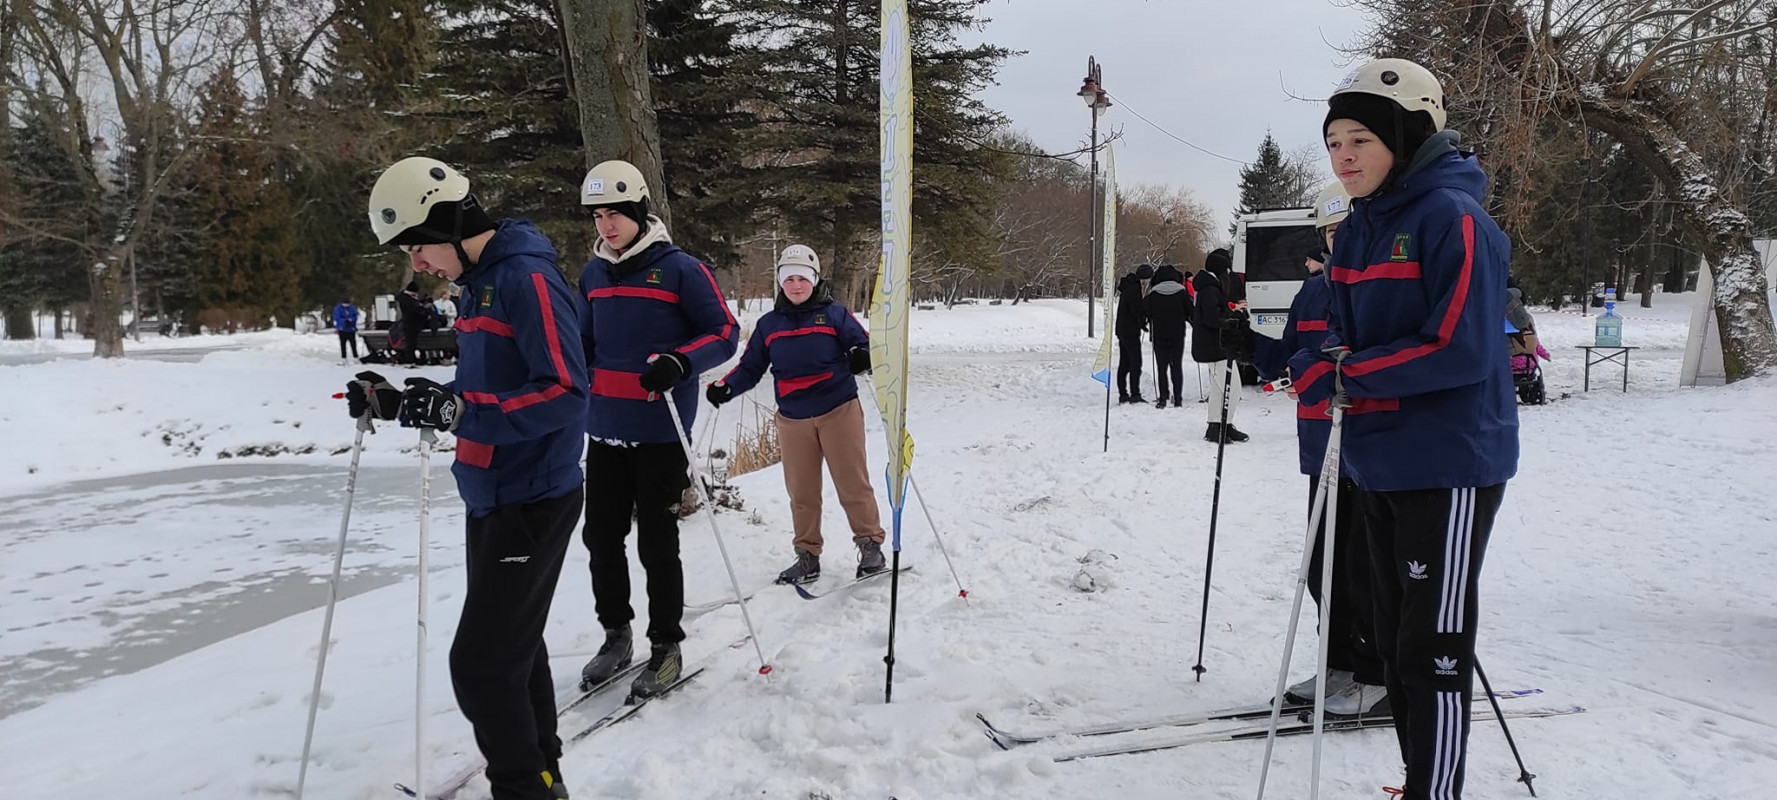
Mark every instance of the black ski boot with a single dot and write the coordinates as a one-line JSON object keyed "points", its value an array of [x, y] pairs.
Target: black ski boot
{"points": [[613, 656], [1161, 403], [870, 559], [807, 569], [660, 674], [1178, 402], [1122, 399], [1234, 434], [1137, 399]]}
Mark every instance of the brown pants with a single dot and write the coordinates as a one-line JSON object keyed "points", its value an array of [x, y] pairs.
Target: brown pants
{"points": [[837, 437]]}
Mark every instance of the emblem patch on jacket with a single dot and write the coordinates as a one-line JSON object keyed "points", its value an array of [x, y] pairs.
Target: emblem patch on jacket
{"points": [[820, 319], [1400, 247], [654, 276], [487, 295]]}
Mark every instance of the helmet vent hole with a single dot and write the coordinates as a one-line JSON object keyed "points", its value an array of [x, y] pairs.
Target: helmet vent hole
{"points": [[437, 173]]}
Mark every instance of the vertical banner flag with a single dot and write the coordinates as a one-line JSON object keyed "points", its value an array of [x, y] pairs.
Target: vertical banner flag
{"points": [[1101, 369], [889, 309]]}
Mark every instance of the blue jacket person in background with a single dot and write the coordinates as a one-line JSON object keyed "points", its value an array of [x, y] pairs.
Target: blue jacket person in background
{"points": [[1354, 684], [1418, 280], [652, 320], [813, 347], [516, 407], [345, 324]]}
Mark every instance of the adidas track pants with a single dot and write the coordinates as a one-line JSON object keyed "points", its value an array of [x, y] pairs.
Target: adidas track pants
{"points": [[1426, 548]]}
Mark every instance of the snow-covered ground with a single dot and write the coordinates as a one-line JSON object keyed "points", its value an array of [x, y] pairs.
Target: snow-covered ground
{"points": [[158, 629]]}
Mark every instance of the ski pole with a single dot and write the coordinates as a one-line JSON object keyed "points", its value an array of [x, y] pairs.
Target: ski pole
{"points": [[1524, 775], [339, 556], [428, 440], [709, 511], [1215, 507]]}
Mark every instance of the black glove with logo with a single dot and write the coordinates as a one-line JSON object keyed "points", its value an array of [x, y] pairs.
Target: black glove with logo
{"points": [[858, 359], [1236, 335], [719, 393], [667, 370], [428, 404], [372, 394]]}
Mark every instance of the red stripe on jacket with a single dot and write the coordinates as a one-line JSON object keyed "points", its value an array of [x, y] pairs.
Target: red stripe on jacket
{"points": [[1311, 325], [727, 327], [1359, 405], [622, 385], [475, 454], [1447, 326], [800, 332], [550, 334], [515, 403], [788, 385], [1387, 270], [483, 325], [634, 291]]}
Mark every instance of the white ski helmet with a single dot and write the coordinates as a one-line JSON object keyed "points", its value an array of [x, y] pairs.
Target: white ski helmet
{"points": [[406, 193], [1409, 85], [1332, 206], [613, 182], [799, 259]]}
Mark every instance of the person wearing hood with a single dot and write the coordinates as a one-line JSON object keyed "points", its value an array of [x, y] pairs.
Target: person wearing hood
{"points": [[813, 348], [1418, 279], [652, 320], [516, 406], [1132, 319], [1168, 308], [1215, 309]]}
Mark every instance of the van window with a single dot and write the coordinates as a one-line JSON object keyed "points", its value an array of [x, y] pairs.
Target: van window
{"points": [[1276, 253]]}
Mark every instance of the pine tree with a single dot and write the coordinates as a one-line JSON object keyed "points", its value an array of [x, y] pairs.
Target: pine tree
{"points": [[820, 136], [40, 261], [1266, 182], [702, 91], [248, 268], [500, 87]]}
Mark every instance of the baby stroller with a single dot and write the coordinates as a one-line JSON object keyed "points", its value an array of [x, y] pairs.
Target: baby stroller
{"points": [[1527, 371]]}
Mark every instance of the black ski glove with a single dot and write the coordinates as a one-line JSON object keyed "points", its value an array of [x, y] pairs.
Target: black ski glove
{"points": [[858, 359], [1236, 335], [667, 370], [372, 393], [428, 404], [719, 393]]}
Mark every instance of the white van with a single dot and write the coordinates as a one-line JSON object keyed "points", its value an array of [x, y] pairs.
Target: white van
{"points": [[1269, 248]]}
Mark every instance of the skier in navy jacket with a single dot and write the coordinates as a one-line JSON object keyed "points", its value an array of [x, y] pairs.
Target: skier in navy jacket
{"points": [[1354, 683], [813, 347], [1418, 276], [516, 406], [652, 320]]}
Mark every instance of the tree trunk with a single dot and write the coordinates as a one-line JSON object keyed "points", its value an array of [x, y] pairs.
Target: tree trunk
{"points": [[608, 61], [1742, 305], [19, 324], [107, 305]]}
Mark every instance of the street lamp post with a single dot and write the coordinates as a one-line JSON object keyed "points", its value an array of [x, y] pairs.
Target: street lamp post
{"points": [[1092, 91]]}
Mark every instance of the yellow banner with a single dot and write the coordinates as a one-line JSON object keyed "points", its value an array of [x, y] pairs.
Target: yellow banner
{"points": [[1101, 369], [889, 309]]}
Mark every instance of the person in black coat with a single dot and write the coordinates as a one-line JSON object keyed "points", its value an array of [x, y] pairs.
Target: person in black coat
{"points": [[1216, 303], [415, 314], [1132, 319], [1169, 316]]}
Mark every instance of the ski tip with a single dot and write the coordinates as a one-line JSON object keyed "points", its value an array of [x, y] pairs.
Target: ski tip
{"points": [[995, 739], [801, 591], [402, 788]]}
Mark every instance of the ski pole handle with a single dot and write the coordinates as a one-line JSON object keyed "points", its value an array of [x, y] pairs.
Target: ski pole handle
{"points": [[1278, 385]]}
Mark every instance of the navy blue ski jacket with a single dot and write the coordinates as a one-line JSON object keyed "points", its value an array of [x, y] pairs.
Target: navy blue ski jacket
{"points": [[805, 347], [1306, 329], [522, 379], [653, 299], [1418, 279]]}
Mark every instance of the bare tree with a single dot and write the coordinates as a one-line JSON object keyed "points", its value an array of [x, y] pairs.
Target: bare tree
{"points": [[149, 57], [1646, 74], [1162, 225]]}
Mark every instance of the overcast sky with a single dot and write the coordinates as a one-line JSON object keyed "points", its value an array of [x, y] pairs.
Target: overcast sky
{"points": [[1213, 73]]}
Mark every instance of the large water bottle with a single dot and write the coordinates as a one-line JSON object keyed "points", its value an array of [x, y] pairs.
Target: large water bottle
{"points": [[1610, 326]]}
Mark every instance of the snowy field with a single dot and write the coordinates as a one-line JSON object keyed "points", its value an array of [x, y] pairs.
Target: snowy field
{"points": [[166, 530]]}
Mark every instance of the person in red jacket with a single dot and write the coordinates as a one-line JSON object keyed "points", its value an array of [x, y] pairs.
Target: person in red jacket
{"points": [[516, 407], [1418, 280], [652, 320], [813, 347]]}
